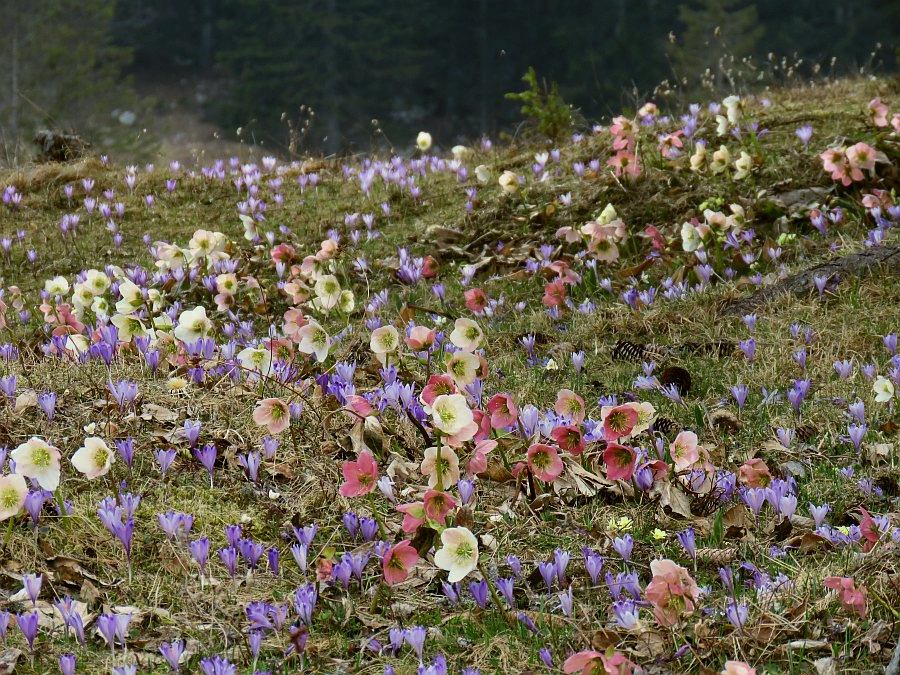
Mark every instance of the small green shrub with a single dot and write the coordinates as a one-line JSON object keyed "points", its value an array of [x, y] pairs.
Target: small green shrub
{"points": [[543, 105]]}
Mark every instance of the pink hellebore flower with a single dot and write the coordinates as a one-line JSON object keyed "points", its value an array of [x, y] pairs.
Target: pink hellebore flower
{"points": [[738, 668], [476, 300], [589, 662], [359, 406], [684, 450], [619, 422], [569, 438], [503, 411], [359, 476], [398, 561], [754, 473], [478, 462], [437, 385], [544, 462], [879, 111], [571, 405], [672, 592], [620, 461], [413, 516], [437, 505], [835, 162], [420, 337], [852, 598], [272, 413], [554, 294]]}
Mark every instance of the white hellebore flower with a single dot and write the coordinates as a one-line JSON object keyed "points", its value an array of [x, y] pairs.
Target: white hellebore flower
{"points": [[466, 335], [258, 360], [451, 413], [193, 325], [385, 340], [314, 340], [423, 141], [482, 173], [13, 491], [96, 281], [39, 460], [458, 554], [56, 286], [460, 152], [743, 165], [884, 389], [328, 291], [449, 467], [690, 238], [509, 182], [463, 367], [94, 458], [732, 108]]}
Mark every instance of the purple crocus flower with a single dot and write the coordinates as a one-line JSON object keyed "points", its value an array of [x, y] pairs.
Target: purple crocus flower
{"points": [[804, 133], [819, 513], [106, 624], [624, 546], [47, 403], [216, 665], [171, 652], [688, 540], [843, 368], [67, 664], [415, 638], [28, 624], [740, 393], [207, 457], [856, 432], [593, 563], [164, 458], [506, 586], [126, 449], [229, 556], [479, 591], [548, 574], [626, 613], [737, 614], [566, 601]]}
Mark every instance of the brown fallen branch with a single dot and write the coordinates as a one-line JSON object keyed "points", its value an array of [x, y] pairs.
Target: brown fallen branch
{"points": [[885, 258]]}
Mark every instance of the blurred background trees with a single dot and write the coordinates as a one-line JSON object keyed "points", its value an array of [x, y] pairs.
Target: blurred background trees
{"points": [[349, 74]]}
